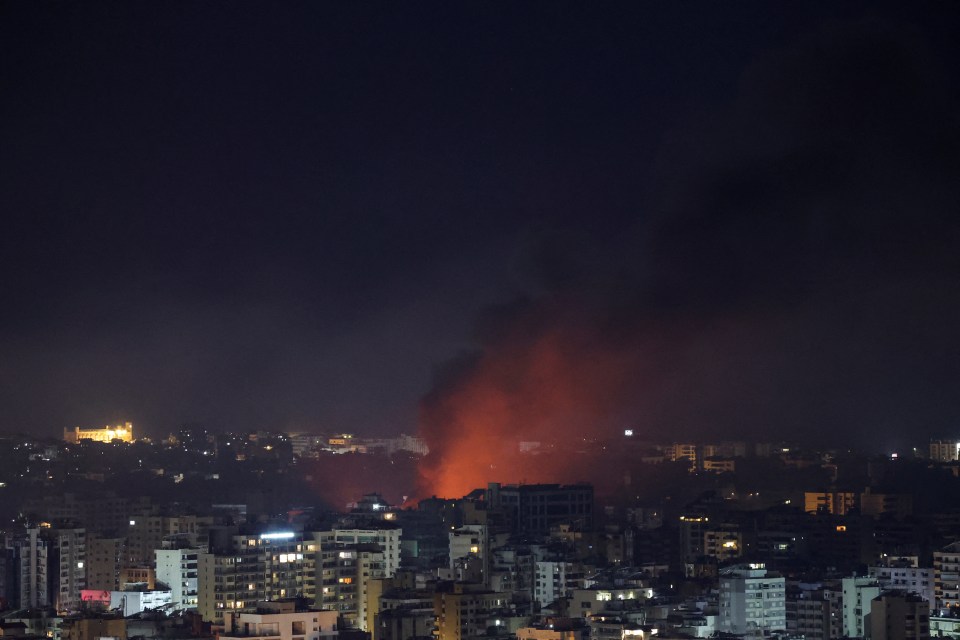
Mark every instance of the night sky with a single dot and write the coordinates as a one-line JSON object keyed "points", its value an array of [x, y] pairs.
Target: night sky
{"points": [[702, 220]]}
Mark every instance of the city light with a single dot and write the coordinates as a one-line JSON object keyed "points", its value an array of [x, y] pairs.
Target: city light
{"points": [[277, 535]]}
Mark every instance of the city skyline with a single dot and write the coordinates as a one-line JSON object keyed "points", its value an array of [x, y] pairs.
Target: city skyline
{"points": [[474, 223]]}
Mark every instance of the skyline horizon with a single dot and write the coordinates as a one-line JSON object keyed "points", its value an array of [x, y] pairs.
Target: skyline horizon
{"points": [[470, 222]]}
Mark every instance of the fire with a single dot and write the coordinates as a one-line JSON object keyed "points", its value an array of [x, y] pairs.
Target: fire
{"points": [[563, 386]]}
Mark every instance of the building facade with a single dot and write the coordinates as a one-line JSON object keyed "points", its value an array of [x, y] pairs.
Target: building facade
{"points": [[122, 432], [178, 570], [946, 576], [857, 595], [896, 615], [752, 600]]}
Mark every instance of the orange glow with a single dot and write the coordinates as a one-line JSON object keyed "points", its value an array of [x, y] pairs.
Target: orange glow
{"points": [[559, 388]]}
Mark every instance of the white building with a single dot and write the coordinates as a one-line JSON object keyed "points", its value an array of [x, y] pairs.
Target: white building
{"points": [[177, 568], [554, 580], [411, 444], [134, 602], [857, 594], [752, 600], [469, 541], [912, 579]]}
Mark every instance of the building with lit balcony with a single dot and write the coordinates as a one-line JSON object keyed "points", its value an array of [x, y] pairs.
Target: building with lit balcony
{"points": [[254, 568], [346, 563], [555, 579], [470, 544], [946, 572]]}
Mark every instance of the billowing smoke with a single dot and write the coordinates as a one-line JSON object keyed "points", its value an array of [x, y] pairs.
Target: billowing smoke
{"points": [[549, 379], [797, 278]]}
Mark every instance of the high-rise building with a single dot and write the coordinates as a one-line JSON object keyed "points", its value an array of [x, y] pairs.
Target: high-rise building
{"points": [[857, 594], [177, 569], [68, 559], [470, 544], [946, 572], [752, 600], [50, 564], [462, 610], [105, 558], [896, 615], [813, 613], [555, 579], [254, 568], [347, 562], [31, 565], [387, 537]]}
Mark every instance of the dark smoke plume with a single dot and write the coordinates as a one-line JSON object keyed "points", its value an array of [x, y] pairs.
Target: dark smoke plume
{"points": [[798, 278]]}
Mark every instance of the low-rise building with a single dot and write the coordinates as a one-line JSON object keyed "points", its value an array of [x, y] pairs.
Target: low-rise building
{"points": [[279, 620]]}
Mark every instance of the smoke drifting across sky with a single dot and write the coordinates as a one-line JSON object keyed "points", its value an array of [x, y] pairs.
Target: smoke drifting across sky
{"points": [[797, 276], [702, 219]]}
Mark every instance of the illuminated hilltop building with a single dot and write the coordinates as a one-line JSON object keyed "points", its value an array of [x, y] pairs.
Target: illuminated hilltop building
{"points": [[945, 450], [121, 432]]}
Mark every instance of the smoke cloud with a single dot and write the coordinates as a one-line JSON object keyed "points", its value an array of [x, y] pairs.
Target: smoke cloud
{"points": [[795, 276]]}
